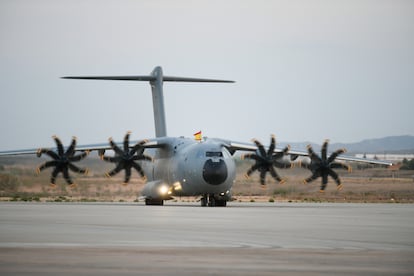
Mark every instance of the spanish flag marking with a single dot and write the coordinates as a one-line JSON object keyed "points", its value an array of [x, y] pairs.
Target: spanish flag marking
{"points": [[198, 136]]}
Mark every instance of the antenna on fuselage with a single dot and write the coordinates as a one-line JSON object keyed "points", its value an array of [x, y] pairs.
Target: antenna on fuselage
{"points": [[156, 80]]}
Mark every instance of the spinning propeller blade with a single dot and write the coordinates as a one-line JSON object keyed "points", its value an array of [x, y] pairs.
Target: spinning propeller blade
{"points": [[125, 159], [322, 166], [62, 161], [266, 161]]}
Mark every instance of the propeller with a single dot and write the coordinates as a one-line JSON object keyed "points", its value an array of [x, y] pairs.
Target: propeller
{"points": [[322, 166], [266, 161], [62, 161], [126, 159]]}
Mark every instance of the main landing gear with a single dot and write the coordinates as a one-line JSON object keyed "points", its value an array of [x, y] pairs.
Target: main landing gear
{"points": [[154, 201], [213, 201]]}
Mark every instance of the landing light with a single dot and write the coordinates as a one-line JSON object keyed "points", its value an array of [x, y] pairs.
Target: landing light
{"points": [[227, 192], [177, 186], [163, 190]]}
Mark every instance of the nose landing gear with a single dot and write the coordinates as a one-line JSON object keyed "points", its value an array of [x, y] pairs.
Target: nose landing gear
{"points": [[213, 201]]}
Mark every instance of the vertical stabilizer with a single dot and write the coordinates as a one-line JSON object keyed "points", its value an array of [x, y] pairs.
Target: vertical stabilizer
{"points": [[158, 102]]}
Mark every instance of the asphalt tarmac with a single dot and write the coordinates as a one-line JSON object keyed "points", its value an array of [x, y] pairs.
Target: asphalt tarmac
{"points": [[185, 239]]}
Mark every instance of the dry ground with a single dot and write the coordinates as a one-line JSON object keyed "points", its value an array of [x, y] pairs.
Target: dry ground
{"points": [[19, 182]]}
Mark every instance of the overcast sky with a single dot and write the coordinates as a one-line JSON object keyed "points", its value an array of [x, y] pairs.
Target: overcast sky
{"points": [[304, 70]]}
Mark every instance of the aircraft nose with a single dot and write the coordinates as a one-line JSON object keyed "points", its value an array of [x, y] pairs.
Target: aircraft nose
{"points": [[215, 172]]}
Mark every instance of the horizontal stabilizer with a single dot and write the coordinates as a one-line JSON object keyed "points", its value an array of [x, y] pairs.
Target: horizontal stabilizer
{"points": [[156, 79], [180, 79], [127, 78], [145, 78]]}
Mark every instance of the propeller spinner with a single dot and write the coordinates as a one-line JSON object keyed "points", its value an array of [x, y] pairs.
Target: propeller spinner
{"points": [[62, 161], [322, 166], [126, 159], [266, 161]]}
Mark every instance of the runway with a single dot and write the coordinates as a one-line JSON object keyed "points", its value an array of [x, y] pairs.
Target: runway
{"points": [[185, 239]]}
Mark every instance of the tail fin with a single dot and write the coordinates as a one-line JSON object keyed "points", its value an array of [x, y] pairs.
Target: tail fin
{"points": [[156, 80]]}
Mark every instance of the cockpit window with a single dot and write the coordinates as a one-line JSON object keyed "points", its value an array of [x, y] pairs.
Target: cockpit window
{"points": [[214, 154]]}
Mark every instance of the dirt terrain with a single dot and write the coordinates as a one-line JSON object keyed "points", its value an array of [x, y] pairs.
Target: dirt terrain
{"points": [[18, 181]]}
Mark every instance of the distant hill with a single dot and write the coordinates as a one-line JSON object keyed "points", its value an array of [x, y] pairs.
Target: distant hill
{"points": [[394, 144], [391, 144]]}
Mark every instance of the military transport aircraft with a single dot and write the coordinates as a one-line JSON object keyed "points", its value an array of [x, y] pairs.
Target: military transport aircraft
{"points": [[178, 166]]}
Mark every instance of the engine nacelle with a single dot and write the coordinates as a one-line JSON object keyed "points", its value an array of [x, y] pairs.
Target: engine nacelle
{"points": [[285, 161], [157, 190], [302, 161]]}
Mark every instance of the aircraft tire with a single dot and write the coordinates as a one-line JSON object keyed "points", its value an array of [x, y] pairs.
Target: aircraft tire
{"points": [[149, 201], [212, 202], [204, 201], [221, 203]]}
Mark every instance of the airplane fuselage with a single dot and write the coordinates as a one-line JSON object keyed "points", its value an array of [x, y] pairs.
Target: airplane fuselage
{"points": [[185, 167]]}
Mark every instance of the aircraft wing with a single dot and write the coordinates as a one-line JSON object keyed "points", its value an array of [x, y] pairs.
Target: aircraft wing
{"points": [[234, 146], [91, 147], [154, 143], [18, 152], [345, 158]]}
